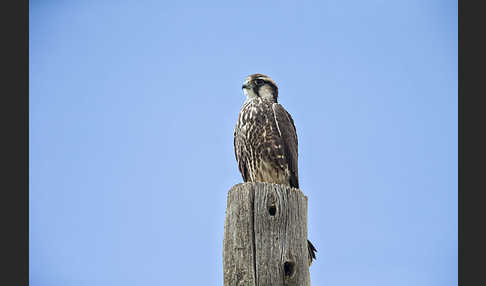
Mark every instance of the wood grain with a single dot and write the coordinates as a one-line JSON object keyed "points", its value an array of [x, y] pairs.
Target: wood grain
{"points": [[265, 236]]}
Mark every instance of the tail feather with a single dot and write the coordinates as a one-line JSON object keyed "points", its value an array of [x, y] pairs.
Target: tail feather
{"points": [[312, 252]]}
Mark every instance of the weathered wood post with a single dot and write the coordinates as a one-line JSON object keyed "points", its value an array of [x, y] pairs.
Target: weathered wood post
{"points": [[265, 236]]}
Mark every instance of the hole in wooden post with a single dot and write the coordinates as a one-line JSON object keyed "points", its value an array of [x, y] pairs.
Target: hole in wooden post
{"points": [[289, 269], [272, 210]]}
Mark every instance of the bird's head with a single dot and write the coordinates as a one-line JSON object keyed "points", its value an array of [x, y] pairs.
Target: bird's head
{"points": [[260, 85]]}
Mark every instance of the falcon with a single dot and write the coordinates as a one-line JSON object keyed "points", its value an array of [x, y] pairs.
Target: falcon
{"points": [[265, 138]]}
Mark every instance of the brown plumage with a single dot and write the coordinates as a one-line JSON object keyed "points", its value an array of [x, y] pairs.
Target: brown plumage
{"points": [[265, 138]]}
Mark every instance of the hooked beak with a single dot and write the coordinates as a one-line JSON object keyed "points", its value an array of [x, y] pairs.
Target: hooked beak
{"points": [[244, 86]]}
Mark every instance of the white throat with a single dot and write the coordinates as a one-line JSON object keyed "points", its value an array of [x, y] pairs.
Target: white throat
{"points": [[249, 93], [265, 92]]}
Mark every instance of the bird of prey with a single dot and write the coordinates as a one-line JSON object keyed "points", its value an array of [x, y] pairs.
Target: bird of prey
{"points": [[265, 138]]}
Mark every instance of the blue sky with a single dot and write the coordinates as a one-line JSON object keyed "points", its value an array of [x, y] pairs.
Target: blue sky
{"points": [[132, 110]]}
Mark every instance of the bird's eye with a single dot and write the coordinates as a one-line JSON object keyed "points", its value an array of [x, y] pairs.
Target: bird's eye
{"points": [[259, 81]]}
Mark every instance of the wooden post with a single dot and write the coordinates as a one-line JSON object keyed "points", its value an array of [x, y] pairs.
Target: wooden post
{"points": [[265, 236]]}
